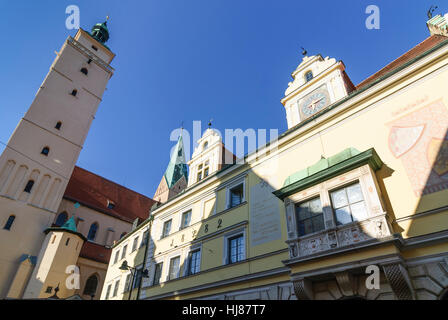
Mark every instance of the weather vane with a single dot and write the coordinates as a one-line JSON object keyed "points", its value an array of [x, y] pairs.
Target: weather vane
{"points": [[431, 10]]}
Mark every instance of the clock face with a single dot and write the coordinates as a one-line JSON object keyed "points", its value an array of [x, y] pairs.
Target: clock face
{"points": [[314, 102]]}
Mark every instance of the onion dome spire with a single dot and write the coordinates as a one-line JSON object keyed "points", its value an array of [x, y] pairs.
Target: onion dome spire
{"points": [[100, 32]]}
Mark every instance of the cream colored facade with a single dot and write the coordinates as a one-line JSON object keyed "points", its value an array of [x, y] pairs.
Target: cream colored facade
{"points": [[121, 284], [387, 140], [37, 164]]}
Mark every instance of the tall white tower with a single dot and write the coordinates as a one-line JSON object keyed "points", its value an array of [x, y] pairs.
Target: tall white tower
{"points": [[40, 156]]}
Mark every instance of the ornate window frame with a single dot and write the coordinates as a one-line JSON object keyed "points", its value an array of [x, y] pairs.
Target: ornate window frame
{"points": [[360, 168]]}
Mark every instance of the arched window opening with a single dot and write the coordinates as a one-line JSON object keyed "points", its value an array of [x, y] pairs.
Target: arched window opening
{"points": [[308, 76], [61, 219], [91, 285], [74, 92], [58, 125], [45, 151], [29, 186], [205, 145], [92, 231], [9, 223], [67, 241], [85, 71]]}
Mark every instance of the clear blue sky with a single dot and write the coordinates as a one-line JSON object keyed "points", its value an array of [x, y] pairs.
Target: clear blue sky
{"points": [[181, 60]]}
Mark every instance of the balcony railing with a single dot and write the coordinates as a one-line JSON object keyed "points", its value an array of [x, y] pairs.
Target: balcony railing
{"points": [[325, 241]]}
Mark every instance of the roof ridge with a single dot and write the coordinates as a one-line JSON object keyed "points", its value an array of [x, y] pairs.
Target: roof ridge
{"points": [[388, 66], [115, 183]]}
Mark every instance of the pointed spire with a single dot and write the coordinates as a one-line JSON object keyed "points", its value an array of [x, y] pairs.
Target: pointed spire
{"points": [[70, 224], [178, 165]]}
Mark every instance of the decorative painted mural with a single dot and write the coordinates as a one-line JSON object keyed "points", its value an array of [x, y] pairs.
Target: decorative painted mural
{"points": [[420, 140]]}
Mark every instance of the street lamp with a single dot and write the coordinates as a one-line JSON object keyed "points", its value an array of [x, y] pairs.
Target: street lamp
{"points": [[125, 267]]}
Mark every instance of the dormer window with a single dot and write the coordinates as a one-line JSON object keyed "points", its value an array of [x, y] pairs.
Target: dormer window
{"points": [[45, 151], [90, 60], [58, 125], [84, 71], [308, 76], [94, 48], [74, 92], [110, 204]]}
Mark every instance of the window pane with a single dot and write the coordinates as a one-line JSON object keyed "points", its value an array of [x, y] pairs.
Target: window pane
{"points": [[318, 223], [343, 215], [174, 268], [315, 206], [354, 193], [123, 254], [195, 257], [301, 228], [339, 198], [236, 196], [358, 211], [157, 273], [304, 211], [308, 226]]}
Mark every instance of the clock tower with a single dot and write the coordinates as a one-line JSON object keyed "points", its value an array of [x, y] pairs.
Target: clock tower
{"points": [[317, 83]]}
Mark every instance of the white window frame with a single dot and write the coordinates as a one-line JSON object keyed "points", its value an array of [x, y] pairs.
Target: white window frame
{"points": [[177, 255], [187, 258], [233, 185], [181, 227], [182, 211], [162, 235], [135, 242], [227, 236], [124, 253], [153, 272]]}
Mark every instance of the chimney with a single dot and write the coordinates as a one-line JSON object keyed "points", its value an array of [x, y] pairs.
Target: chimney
{"points": [[438, 25]]}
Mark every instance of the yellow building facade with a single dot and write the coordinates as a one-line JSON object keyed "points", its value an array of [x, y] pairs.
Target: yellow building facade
{"points": [[356, 188]]}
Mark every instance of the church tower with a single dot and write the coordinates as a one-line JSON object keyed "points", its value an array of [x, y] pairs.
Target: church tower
{"points": [[59, 250], [41, 153], [317, 83], [175, 178]]}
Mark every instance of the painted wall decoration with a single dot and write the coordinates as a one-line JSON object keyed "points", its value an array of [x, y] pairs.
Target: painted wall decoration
{"points": [[420, 140]]}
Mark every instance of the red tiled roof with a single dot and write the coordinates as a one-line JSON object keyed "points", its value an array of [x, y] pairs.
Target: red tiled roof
{"points": [[94, 192], [408, 56], [95, 252]]}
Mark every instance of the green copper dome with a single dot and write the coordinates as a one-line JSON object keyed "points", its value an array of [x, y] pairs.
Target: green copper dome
{"points": [[100, 32]]}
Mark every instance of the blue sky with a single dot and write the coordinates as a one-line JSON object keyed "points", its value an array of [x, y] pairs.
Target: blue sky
{"points": [[181, 60]]}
